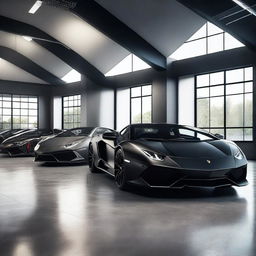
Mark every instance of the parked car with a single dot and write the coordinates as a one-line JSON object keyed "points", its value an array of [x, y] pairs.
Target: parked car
{"points": [[24, 142], [69, 146], [8, 133], [168, 156]]}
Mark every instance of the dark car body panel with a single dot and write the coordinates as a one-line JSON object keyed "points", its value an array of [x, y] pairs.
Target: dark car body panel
{"points": [[185, 163]]}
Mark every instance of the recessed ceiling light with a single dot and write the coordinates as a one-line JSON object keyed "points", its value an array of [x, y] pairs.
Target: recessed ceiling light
{"points": [[27, 38], [245, 7], [35, 7]]}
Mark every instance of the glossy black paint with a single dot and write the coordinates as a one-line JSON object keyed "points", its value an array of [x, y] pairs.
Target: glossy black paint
{"points": [[209, 163]]}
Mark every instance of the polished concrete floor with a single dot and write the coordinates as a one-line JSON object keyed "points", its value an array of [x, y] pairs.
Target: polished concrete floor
{"points": [[67, 211]]}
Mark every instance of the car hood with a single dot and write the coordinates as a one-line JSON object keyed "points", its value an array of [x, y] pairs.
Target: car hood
{"points": [[214, 154], [59, 143]]}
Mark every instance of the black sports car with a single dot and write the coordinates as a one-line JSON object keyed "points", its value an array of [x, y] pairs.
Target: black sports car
{"points": [[69, 146], [23, 143], [168, 156], [8, 133]]}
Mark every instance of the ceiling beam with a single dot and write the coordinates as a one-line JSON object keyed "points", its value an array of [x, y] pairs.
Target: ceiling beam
{"points": [[108, 24], [64, 53], [29, 66]]}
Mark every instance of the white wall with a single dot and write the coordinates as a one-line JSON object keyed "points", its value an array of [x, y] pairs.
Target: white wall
{"points": [[122, 108], [186, 100]]}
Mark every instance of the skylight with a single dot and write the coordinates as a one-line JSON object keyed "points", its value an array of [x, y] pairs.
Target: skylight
{"points": [[208, 39], [72, 77], [27, 38], [130, 63], [35, 7]]}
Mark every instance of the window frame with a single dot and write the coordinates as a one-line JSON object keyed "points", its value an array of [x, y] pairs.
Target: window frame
{"points": [[63, 108], [12, 96], [141, 103], [225, 95]]}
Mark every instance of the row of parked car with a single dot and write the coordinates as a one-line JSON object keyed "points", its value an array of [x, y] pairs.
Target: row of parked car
{"points": [[153, 155], [49, 145]]}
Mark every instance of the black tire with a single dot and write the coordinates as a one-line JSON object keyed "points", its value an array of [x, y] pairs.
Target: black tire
{"points": [[120, 175], [91, 160]]}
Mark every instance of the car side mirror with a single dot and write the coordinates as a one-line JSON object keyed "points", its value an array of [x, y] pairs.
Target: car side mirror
{"points": [[219, 136], [110, 135]]}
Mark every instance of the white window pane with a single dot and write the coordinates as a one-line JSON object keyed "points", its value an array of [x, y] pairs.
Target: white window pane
{"points": [[199, 34], [7, 111], [236, 75], [16, 112], [212, 29], [217, 112], [146, 109], [231, 42], [234, 88], [124, 66], [248, 74], [203, 113], [146, 90], [248, 109], [190, 49], [235, 134], [248, 87], [24, 112], [217, 78], [215, 43], [202, 80], [16, 104], [234, 110], [136, 91], [32, 99], [217, 131], [32, 112], [203, 92], [7, 104], [24, 105], [217, 90], [248, 134], [33, 105], [136, 110], [139, 64]]}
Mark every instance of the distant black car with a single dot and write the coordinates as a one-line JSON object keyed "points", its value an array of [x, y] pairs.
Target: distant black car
{"points": [[68, 147], [23, 143], [168, 156], [8, 133]]}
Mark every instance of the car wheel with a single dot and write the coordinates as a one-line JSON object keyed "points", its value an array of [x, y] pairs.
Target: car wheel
{"points": [[120, 175], [91, 160]]}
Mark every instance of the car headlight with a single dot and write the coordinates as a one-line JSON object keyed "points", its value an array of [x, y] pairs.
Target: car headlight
{"points": [[37, 147], [153, 155], [238, 155]]}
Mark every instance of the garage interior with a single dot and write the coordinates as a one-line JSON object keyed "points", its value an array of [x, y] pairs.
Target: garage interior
{"points": [[89, 64]]}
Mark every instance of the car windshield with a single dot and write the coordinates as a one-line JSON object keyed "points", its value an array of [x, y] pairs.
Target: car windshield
{"points": [[169, 132], [76, 132]]}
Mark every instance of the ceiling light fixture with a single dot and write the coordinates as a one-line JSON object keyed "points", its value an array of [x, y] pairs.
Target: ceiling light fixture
{"points": [[245, 7], [27, 38], [35, 7]]}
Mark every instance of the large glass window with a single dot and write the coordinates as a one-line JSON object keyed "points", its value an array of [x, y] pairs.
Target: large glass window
{"points": [[141, 104], [130, 63], [71, 111], [208, 39], [224, 103], [18, 111]]}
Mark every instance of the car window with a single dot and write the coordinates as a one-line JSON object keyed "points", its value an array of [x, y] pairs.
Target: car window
{"points": [[125, 134], [169, 132], [76, 132]]}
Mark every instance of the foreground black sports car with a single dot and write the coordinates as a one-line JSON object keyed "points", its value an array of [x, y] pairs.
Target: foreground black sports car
{"points": [[69, 146], [23, 143], [168, 156]]}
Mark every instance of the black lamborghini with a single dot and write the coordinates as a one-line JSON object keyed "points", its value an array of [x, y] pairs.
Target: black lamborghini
{"points": [[70, 146], [23, 143], [168, 156]]}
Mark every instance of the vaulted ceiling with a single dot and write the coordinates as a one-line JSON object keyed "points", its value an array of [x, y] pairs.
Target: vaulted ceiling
{"points": [[91, 38]]}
